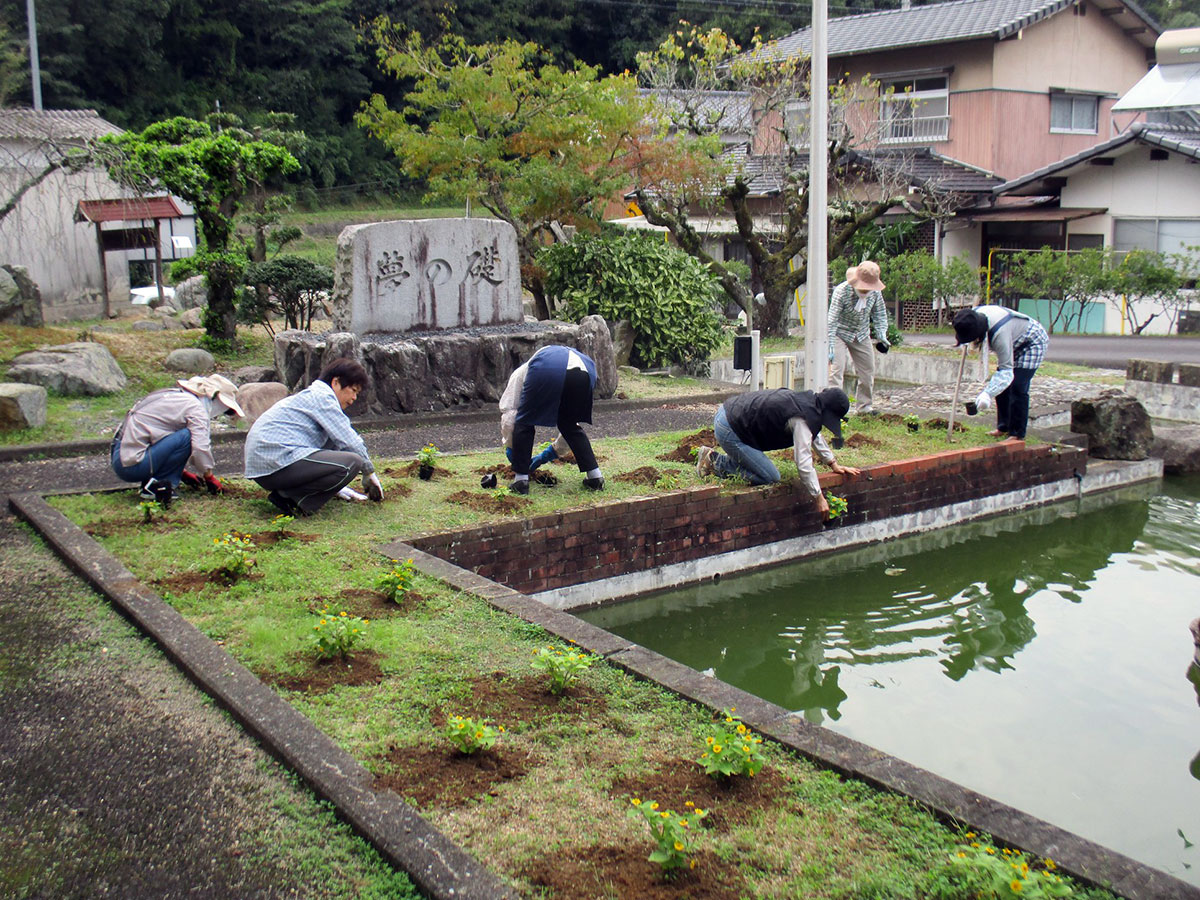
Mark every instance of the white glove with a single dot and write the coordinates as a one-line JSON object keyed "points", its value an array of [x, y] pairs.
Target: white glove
{"points": [[373, 487], [349, 493], [983, 401]]}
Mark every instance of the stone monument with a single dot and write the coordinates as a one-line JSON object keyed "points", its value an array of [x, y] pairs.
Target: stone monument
{"points": [[426, 274], [432, 308]]}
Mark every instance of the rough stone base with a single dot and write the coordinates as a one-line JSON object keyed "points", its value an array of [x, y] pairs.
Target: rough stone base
{"points": [[436, 370]]}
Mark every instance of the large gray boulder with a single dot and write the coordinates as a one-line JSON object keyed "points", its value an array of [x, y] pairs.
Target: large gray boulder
{"points": [[623, 337], [252, 374], [191, 294], [1117, 425], [81, 368], [190, 360], [1178, 446], [20, 300], [192, 318], [22, 406], [257, 397]]}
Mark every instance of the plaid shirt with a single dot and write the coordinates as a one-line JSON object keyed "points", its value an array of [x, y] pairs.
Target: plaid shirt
{"points": [[298, 426], [850, 323]]}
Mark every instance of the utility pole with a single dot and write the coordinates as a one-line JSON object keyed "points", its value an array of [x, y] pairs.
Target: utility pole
{"points": [[816, 319], [35, 72]]}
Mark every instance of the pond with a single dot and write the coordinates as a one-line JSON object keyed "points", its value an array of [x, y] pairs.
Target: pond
{"points": [[1043, 659]]}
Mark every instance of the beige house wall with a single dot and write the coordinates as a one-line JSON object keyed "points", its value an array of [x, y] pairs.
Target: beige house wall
{"points": [[61, 255]]}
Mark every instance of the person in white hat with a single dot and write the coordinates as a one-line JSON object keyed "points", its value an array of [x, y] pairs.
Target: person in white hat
{"points": [[856, 312], [168, 428]]}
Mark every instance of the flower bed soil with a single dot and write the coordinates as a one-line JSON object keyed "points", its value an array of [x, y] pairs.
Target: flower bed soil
{"points": [[322, 675], [624, 871], [683, 452], [647, 475]]}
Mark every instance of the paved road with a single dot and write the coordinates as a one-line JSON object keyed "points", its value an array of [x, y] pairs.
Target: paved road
{"points": [[1103, 351]]}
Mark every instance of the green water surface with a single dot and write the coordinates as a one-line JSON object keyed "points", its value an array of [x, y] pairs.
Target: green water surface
{"points": [[1042, 659]]}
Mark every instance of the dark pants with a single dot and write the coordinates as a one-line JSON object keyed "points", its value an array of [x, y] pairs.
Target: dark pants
{"points": [[164, 460], [574, 407], [1012, 405], [312, 482]]}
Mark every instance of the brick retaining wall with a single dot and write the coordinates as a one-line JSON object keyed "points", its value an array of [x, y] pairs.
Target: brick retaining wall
{"points": [[579, 545]]}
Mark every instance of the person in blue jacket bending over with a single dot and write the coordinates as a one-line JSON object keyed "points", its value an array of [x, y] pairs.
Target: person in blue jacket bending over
{"points": [[554, 388]]}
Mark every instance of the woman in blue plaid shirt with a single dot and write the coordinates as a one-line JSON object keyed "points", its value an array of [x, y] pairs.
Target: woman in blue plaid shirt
{"points": [[856, 311], [1019, 343]]}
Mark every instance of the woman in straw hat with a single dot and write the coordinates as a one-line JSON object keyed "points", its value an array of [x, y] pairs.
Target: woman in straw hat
{"points": [[168, 428], [856, 312]]}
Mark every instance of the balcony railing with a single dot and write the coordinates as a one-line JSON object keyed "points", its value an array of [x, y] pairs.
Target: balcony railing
{"points": [[912, 130]]}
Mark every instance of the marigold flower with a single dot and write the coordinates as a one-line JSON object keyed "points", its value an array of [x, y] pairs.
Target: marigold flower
{"points": [[684, 824], [716, 748], [741, 729], [990, 851], [701, 813], [1050, 864], [692, 864], [689, 803], [635, 801], [654, 805], [970, 834], [1016, 886], [664, 815]]}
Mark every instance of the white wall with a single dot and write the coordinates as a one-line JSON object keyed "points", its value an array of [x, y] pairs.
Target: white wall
{"points": [[1135, 186]]}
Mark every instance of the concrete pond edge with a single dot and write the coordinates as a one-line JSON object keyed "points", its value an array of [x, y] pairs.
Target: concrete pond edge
{"points": [[438, 866]]}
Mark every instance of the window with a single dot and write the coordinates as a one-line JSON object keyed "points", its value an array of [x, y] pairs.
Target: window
{"points": [[1161, 235], [795, 122], [1074, 113], [917, 110]]}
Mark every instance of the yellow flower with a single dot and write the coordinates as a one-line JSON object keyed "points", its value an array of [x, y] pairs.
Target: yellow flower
{"points": [[990, 851], [1016, 886], [741, 729], [1050, 865], [478, 735], [692, 864], [716, 748], [970, 834], [1006, 851], [342, 613], [961, 855], [745, 748], [701, 812], [975, 844], [654, 805], [689, 803], [664, 815], [1024, 869], [682, 822]]}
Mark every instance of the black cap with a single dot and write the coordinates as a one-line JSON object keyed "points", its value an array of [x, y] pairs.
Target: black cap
{"points": [[834, 407], [969, 326]]}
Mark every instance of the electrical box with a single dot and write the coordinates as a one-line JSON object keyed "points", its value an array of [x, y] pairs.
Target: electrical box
{"points": [[778, 372]]}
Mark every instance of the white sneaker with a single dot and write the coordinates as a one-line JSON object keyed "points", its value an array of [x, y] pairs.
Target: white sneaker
{"points": [[704, 462], [349, 493]]}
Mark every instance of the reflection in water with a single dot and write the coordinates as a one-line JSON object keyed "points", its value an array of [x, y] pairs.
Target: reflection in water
{"points": [[962, 604], [1036, 659]]}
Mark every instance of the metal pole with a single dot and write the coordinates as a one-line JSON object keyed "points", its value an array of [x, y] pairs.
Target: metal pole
{"points": [[816, 322], [962, 364], [35, 72]]}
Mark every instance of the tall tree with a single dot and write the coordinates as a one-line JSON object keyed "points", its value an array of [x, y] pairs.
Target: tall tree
{"points": [[214, 171], [501, 125], [708, 92]]}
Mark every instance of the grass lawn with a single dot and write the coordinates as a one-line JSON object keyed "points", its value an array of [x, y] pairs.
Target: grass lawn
{"points": [[552, 815]]}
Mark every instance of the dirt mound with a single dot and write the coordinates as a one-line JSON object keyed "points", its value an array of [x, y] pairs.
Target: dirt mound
{"points": [[321, 675], [645, 475], [683, 452], [500, 501], [862, 440], [940, 424]]}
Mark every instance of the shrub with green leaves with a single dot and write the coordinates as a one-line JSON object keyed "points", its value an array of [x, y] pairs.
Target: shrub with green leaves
{"points": [[469, 736], [674, 833], [837, 505], [563, 666], [335, 634], [667, 296], [731, 749], [398, 580]]}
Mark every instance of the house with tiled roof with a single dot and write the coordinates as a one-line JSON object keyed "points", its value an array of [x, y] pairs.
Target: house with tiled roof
{"points": [[45, 234]]}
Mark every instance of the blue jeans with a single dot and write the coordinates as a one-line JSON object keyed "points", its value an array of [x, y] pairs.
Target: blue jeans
{"points": [[742, 460], [1012, 404], [164, 460]]}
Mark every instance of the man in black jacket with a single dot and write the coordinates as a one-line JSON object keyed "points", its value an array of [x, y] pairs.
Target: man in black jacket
{"points": [[750, 424]]}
